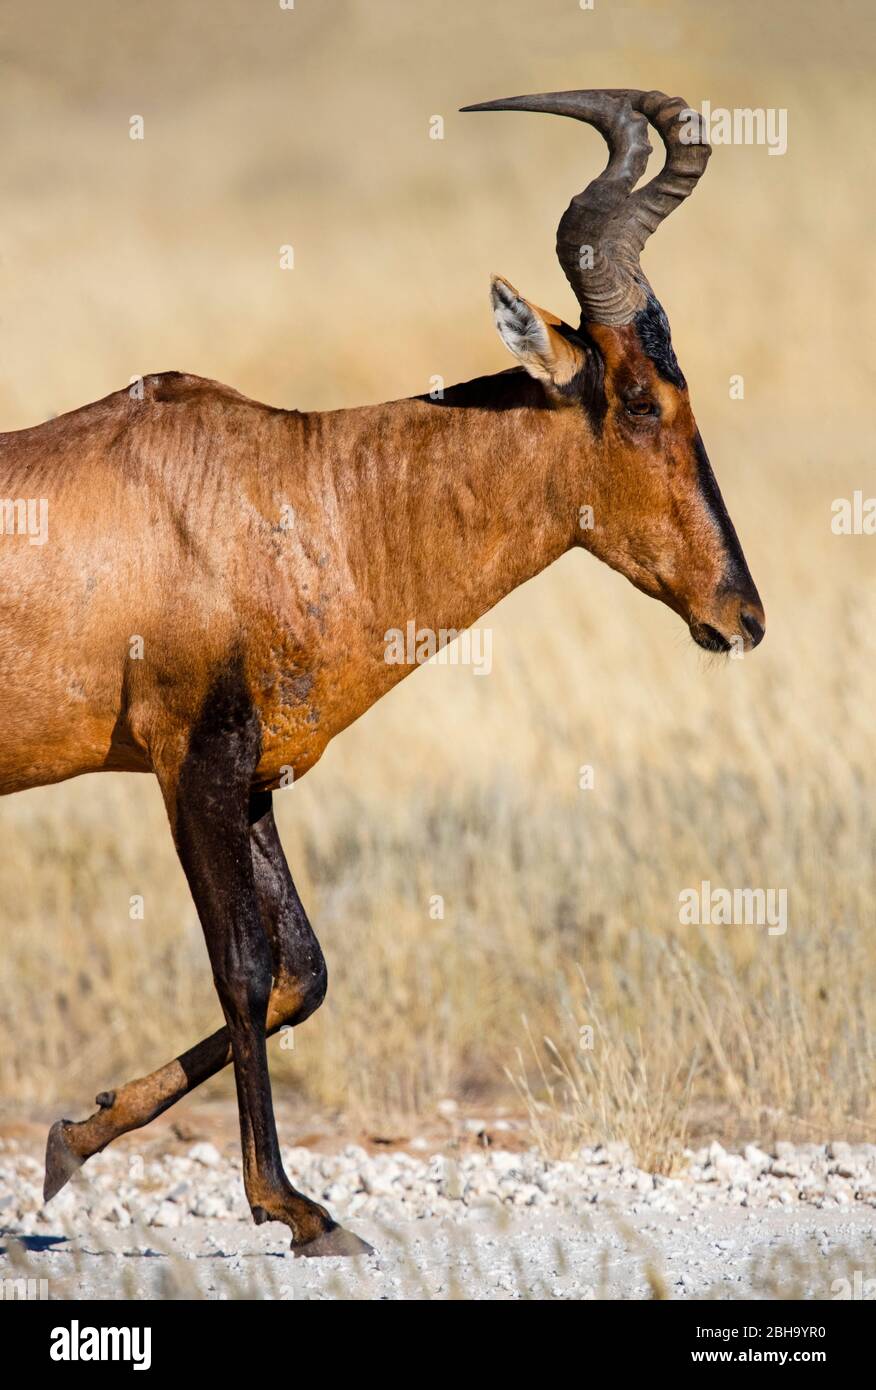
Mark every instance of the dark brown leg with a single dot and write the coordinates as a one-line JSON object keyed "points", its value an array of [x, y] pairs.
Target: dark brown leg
{"points": [[300, 978], [224, 858], [299, 988]]}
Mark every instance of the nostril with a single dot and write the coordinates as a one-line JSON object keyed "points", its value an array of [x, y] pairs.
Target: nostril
{"points": [[753, 626]]}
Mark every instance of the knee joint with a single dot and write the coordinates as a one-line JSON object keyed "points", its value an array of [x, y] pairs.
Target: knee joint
{"points": [[300, 995]]}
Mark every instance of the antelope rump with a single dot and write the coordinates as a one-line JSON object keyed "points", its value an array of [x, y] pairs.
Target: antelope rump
{"points": [[176, 622]]}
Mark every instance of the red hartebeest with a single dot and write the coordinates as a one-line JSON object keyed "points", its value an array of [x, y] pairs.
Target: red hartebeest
{"points": [[176, 621]]}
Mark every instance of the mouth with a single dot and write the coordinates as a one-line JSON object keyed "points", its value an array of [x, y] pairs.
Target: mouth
{"points": [[709, 638]]}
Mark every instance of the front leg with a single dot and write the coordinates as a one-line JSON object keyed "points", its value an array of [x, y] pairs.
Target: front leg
{"points": [[208, 801], [299, 989]]}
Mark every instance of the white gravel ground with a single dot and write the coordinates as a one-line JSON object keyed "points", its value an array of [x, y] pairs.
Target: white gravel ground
{"points": [[488, 1224]]}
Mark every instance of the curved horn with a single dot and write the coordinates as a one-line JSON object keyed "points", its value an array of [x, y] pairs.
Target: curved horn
{"points": [[603, 230]]}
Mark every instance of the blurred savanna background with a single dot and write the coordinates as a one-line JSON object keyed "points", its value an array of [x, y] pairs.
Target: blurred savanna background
{"points": [[312, 127]]}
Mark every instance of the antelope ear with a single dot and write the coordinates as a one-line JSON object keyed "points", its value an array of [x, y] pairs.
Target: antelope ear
{"points": [[529, 334]]}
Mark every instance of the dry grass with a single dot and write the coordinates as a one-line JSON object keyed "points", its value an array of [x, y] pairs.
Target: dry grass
{"points": [[119, 258], [609, 1087]]}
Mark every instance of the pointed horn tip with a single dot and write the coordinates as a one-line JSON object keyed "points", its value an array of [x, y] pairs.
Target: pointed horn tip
{"points": [[534, 102], [489, 105]]}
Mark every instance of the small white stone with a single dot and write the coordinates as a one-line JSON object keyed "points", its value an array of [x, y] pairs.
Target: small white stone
{"points": [[206, 1154], [168, 1214], [210, 1207], [755, 1156]]}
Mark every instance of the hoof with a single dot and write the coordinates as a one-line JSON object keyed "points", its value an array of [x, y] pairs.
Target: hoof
{"points": [[336, 1242], [61, 1161]]}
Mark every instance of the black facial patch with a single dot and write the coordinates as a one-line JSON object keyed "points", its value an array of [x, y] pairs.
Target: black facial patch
{"points": [[652, 326], [736, 575]]}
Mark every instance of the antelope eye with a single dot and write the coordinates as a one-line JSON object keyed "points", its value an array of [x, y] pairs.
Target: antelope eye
{"points": [[641, 407]]}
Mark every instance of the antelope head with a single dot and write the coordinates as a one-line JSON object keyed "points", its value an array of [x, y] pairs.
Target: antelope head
{"points": [[658, 513]]}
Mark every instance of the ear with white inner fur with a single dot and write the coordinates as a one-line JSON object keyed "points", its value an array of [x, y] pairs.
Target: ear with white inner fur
{"points": [[528, 333]]}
